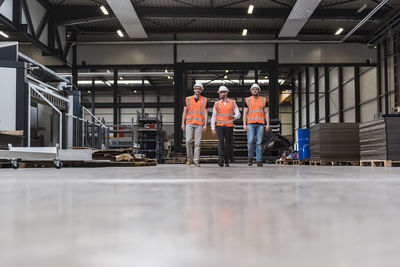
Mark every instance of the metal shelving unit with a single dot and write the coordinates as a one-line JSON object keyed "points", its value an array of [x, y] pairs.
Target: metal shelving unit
{"points": [[121, 136], [151, 136]]}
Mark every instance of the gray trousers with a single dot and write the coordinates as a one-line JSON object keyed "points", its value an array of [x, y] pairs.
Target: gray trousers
{"points": [[197, 130]]}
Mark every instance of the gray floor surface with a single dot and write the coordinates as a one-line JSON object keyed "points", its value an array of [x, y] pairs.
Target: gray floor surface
{"points": [[181, 216]]}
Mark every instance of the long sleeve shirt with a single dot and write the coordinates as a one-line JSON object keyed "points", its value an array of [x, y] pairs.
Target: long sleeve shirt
{"points": [[214, 115]]}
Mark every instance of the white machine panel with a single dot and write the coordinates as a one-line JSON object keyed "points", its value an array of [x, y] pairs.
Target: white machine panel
{"points": [[8, 78]]}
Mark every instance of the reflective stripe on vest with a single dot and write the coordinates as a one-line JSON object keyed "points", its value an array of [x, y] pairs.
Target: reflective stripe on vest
{"points": [[256, 109], [223, 119], [195, 110]]}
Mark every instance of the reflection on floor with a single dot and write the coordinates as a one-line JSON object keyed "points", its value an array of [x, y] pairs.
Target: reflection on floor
{"points": [[178, 215]]}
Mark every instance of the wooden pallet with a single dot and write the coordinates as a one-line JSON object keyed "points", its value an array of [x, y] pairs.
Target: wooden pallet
{"points": [[334, 162], [379, 163], [90, 163], [292, 162], [288, 162], [182, 160]]}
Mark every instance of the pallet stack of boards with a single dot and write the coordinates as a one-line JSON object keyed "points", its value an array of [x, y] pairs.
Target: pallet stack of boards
{"points": [[380, 138], [335, 142]]}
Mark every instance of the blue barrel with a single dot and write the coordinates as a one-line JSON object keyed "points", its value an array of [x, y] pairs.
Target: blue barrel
{"points": [[306, 151], [303, 136]]}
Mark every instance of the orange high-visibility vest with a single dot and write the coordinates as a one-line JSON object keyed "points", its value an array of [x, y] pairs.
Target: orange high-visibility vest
{"points": [[256, 113], [196, 110], [223, 111]]}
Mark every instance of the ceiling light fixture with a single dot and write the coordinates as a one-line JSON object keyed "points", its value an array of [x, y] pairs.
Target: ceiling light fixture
{"points": [[251, 8], [339, 31], [120, 33], [361, 9], [104, 10], [4, 34]]}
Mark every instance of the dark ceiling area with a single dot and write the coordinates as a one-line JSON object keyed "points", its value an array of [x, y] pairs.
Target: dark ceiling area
{"points": [[223, 19]]}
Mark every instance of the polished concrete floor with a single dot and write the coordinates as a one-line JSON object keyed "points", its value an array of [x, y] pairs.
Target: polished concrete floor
{"points": [[180, 216]]}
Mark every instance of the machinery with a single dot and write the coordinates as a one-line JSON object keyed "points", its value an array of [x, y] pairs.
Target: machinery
{"points": [[44, 106]]}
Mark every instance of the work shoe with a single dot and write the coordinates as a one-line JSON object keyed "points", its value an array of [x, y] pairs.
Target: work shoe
{"points": [[189, 162], [196, 163], [227, 164], [250, 162], [259, 164], [221, 164]]}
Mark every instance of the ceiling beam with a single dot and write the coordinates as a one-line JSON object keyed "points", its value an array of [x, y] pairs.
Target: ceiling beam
{"points": [[70, 14]]}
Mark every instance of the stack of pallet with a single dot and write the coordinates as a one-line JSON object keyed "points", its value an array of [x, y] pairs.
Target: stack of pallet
{"points": [[335, 142], [379, 139]]}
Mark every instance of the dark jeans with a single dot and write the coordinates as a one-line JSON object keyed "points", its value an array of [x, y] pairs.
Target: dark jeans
{"points": [[225, 143]]}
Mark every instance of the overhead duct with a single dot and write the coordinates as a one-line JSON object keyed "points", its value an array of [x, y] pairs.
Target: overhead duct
{"points": [[299, 15], [128, 18]]}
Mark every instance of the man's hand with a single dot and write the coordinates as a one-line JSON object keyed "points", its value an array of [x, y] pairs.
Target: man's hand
{"points": [[204, 128], [183, 127], [214, 132], [267, 127], [245, 127]]}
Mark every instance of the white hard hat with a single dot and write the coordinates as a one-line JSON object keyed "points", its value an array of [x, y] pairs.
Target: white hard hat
{"points": [[222, 88], [198, 84], [255, 85]]}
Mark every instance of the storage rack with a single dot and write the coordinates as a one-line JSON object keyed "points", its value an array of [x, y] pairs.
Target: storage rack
{"points": [[150, 136]]}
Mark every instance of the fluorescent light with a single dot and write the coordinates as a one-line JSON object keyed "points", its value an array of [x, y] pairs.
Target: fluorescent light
{"points": [[120, 33], [235, 82], [4, 34], [339, 31], [104, 10], [88, 82], [244, 33], [361, 9], [250, 11]]}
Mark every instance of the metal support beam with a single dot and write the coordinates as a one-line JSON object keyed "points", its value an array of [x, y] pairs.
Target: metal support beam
{"points": [[74, 67], [17, 13], [81, 14], [327, 102], [293, 110], [93, 110], [299, 93], [307, 89], [386, 74], [142, 98], [273, 89], [316, 94], [178, 97], [379, 80], [115, 99], [340, 90], [357, 94]]}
